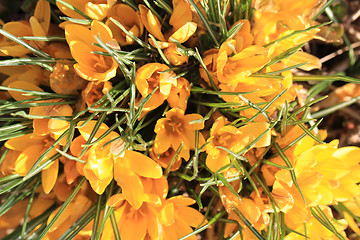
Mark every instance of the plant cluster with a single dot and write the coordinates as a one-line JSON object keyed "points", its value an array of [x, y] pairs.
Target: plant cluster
{"points": [[170, 120]]}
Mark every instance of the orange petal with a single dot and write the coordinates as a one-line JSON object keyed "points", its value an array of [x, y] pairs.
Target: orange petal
{"points": [[185, 32], [19, 96], [27, 158], [151, 23], [167, 214], [190, 215], [22, 142], [42, 14], [142, 165], [49, 176], [134, 227], [131, 185]]}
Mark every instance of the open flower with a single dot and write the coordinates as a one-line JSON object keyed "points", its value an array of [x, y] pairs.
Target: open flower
{"points": [[151, 76], [128, 171], [233, 139], [183, 29], [133, 223], [94, 91], [232, 69], [90, 66], [176, 129], [29, 148], [99, 165], [54, 127], [95, 9], [130, 19], [177, 218], [38, 25]]}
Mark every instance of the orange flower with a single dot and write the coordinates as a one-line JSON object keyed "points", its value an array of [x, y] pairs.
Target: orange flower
{"points": [[94, 91], [179, 95], [276, 19], [95, 9], [10, 48], [165, 158], [315, 230], [140, 223], [153, 75], [38, 25], [99, 158], [209, 59], [127, 172], [177, 218], [90, 66], [254, 210], [130, 19], [234, 69], [30, 147], [234, 139], [183, 29], [175, 129], [72, 212], [54, 127]]}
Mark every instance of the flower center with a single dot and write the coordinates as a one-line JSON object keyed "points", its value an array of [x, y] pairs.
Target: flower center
{"points": [[174, 126]]}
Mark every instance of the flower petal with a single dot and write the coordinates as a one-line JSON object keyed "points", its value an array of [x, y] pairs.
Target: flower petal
{"points": [[142, 165]]}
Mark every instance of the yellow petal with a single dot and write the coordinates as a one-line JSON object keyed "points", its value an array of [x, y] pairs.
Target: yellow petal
{"points": [[253, 130], [27, 158], [303, 57], [19, 96], [142, 165], [134, 227], [42, 14], [130, 183], [75, 32], [85, 130], [49, 176], [184, 33], [167, 214], [99, 28], [151, 23], [79, 4], [22, 142], [181, 14], [190, 215]]}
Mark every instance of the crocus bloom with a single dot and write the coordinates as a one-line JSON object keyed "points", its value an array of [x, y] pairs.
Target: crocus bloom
{"points": [[30, 147], [10, 48], [234, 139], [95, 9], [99, 159], [175, 129], [179, 95], [127, 172], [254, 210], [244, 62], [133, 223], [276, 19], [177, 218], [130, 19], [54, 127], [153, 75], [38, 25], [315, 230], [72, 212], [90, 66], [165, 158], [183, 29], [94, 91]]}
